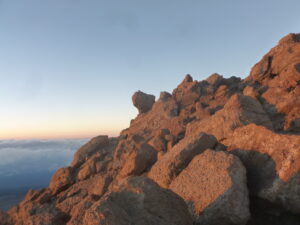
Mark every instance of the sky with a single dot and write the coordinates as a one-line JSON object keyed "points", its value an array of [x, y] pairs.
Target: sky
{"points": [[68, 68]]}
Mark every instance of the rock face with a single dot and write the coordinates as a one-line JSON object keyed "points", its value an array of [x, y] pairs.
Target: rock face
{"points": [[172, 163], [143, 102], [138, 200], [222, 151], [4, 218], [214, 182], [272, 162]]}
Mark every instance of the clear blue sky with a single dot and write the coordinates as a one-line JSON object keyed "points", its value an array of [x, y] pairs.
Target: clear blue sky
{"points": [[68, 68]]}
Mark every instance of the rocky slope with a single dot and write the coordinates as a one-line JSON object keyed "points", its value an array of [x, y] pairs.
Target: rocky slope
{"points": [[214, 152]]}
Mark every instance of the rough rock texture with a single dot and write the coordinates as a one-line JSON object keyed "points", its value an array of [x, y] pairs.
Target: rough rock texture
{"points": [[277, 78], [255, 121], [239, 110], [138, 200], [272, 162], [4, 218], [172, 163], [214, 182], [89, 149], [143, 102]]}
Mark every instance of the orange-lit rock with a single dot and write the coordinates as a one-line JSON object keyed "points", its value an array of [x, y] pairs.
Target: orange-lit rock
{"points": [[214, 185], [255, 121]]}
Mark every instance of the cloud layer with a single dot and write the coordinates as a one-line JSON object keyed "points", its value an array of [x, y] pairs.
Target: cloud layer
{"points": [[25, 162]]}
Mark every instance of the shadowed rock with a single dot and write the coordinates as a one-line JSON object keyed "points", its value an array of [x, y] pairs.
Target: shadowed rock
{"points": [[142, 101], [272, 161], [138, 200]]}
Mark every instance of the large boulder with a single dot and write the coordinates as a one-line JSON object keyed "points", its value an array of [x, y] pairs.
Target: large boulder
{"points": [[62, 179], [175, 160], [138, 200], [278, 73], [142, 101], [272, 162], [139, 161], [214, 185], [94, 145]]}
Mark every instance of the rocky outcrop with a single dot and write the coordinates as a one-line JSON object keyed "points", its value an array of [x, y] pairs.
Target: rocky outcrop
{"points": [[222, 147], [172, 163], [5, 218], [272, 161], [277, 79], [142, 101], [214, 182], [239, 110], [89, 149], [138, 200]]}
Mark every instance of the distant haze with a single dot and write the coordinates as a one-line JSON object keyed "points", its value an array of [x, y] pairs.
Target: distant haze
{"points": [[68, 68], [31, 163]]}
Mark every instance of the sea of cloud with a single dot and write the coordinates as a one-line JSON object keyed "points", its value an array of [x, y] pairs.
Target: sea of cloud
{"points": [[33, 162]]}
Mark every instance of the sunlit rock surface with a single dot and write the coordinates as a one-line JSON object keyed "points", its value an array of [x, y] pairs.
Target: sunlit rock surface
{"points": [[220, 151]]}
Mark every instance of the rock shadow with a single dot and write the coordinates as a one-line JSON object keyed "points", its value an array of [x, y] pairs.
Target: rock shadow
{"points": [[261, 173]]}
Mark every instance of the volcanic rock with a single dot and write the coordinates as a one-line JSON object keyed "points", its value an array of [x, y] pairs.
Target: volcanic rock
{"points": [[173, 162], [253, 122], [272, 162], [214, 186], [138, 200], [5, 218], [240, 110], [88, 149], [142, 101]]}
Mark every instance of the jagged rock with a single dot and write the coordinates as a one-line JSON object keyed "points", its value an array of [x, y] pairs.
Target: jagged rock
{"points": [[214, 78], [272, 161], [164, 96], [174, 161], [62, 179], [163, 115], [78, 211], [38, 209], [138, 200], [94, 145], [214, 186], [277, 72], [255, 119], [5, 218], [142, 101], [139, 161], [188, 92], [97, 163], [240, 110]]}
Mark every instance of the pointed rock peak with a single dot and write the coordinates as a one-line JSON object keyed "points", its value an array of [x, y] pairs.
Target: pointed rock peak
{"points": [[142, 101], [290, 38], [188, 78], [215, 77], [164, 96]]}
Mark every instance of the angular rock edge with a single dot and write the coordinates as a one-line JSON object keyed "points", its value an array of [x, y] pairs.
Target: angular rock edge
{"points": [[251, 127]]}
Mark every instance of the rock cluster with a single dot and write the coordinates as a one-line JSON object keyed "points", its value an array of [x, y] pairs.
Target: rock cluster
{"points": [[222, 151]]}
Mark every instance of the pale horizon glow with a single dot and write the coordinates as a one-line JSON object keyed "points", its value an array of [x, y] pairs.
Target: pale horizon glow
{"points": [[68, 68]]}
